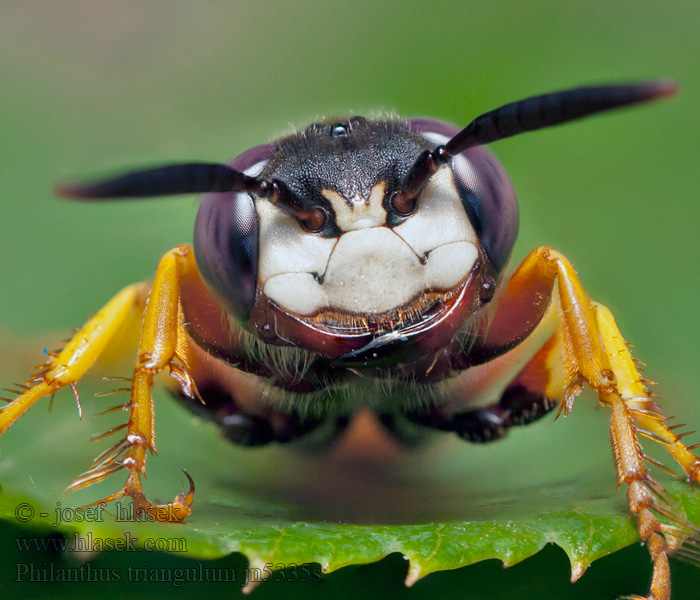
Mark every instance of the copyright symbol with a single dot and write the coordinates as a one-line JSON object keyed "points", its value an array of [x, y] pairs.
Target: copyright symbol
{"points": [[24, 512]]}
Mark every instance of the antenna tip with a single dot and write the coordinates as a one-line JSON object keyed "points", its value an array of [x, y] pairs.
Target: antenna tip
{"points": [[70, 190], [662, 88]]}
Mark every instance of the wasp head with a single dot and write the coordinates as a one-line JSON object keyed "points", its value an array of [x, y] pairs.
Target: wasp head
{"points": [[338, 252]]}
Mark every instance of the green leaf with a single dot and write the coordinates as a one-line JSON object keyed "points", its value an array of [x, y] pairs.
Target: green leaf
{"points": [[450, 505]]}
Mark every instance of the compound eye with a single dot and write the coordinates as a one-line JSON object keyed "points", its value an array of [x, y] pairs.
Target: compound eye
{"points": [[489, 200], [315, 220], [226, 250], [403, 205], [226, 238]]}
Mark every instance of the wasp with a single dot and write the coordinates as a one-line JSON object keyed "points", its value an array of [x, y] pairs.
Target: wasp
{"points": [[359, 265]]}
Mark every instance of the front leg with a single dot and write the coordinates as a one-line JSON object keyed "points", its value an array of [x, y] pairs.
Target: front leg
{"points": [[163, 344], [586, 348]]}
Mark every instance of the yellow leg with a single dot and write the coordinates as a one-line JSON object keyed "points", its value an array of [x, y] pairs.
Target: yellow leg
{"points": [[648, 417], [162, 345], [76, 357], [640, 414], [592, 350]]}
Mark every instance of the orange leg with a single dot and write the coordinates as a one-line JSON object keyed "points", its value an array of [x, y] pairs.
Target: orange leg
{"points": [[162, 344], [589, 348]]}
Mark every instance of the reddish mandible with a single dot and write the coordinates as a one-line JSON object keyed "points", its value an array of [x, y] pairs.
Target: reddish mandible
{"points": [[359, 265]]}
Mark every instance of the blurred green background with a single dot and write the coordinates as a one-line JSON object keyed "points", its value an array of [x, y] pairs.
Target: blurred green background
{"points": [[93, 86]]}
